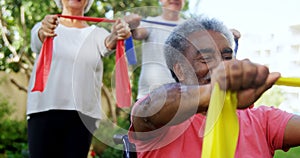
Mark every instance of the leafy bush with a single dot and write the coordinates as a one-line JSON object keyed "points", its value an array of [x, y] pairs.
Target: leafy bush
{"points": [[292, 153], [111, 153], [13, 136], [103, 143]]}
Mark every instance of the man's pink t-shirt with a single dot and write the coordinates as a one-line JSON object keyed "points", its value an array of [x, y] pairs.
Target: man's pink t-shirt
{"points": [[261, 133]]}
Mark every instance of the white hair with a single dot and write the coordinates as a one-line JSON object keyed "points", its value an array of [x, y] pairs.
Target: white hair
{"points": [[86, 9]]}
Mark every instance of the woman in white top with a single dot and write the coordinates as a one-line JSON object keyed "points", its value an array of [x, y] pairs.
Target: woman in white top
{"points": [[154, 71], [62, 118]]}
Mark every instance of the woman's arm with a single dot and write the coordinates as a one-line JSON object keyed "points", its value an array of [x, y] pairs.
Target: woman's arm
{"points": [[138, 33]]}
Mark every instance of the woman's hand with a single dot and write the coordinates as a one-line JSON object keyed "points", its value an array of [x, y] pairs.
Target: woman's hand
{"points": [[133, 20], [119, 31], [49, 24]]}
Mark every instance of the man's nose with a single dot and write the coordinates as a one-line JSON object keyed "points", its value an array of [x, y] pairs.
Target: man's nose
{"points": [[213, 64]]}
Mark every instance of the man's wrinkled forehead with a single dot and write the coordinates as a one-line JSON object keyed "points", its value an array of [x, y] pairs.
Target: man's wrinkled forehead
{"points": [[200, 40], [207, 40]]}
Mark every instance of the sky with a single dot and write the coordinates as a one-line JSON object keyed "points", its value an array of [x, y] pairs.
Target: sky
{"points": [[250, 15]]}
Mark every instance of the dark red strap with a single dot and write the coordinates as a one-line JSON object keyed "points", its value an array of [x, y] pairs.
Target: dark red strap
{"points": [[123, 90]]}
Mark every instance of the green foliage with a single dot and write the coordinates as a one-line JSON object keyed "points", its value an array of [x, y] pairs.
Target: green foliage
{"points": [[5, 109], [13, 136], [17, 18], [292, 153], [103, 137], [111, 152]]}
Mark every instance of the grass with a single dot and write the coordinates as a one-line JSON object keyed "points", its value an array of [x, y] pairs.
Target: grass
{"points": [[292, 153]]}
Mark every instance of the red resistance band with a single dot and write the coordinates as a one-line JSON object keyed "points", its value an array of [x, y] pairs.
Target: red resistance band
{"points": [[122, 84]]}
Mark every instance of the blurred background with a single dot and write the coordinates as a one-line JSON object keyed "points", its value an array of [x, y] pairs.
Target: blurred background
{"points": [[270, 32]]}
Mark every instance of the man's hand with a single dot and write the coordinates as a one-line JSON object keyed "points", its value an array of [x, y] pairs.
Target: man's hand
{"points": [[250, 80]]}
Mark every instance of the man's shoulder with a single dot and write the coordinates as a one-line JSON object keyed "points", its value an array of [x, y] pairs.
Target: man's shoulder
{"points": [[261, 114]]}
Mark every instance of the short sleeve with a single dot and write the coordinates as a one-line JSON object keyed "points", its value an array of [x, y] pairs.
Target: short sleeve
{"points": [[275, 121]]}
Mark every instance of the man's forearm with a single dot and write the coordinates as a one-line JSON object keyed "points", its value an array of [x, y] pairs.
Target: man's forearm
{"points": [[169, 105]]}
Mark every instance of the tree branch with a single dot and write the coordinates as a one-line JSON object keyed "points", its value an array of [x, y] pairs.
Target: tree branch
{"points": [[110, 105], [14, 82], [5, 39]]}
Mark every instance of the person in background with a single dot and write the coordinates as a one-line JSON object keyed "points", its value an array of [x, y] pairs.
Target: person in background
{"points": [[169, 122], [62, 118], [154, 71]]}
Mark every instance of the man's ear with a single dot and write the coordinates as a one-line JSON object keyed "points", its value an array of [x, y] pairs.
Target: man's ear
{"points": [[178, 70]]}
